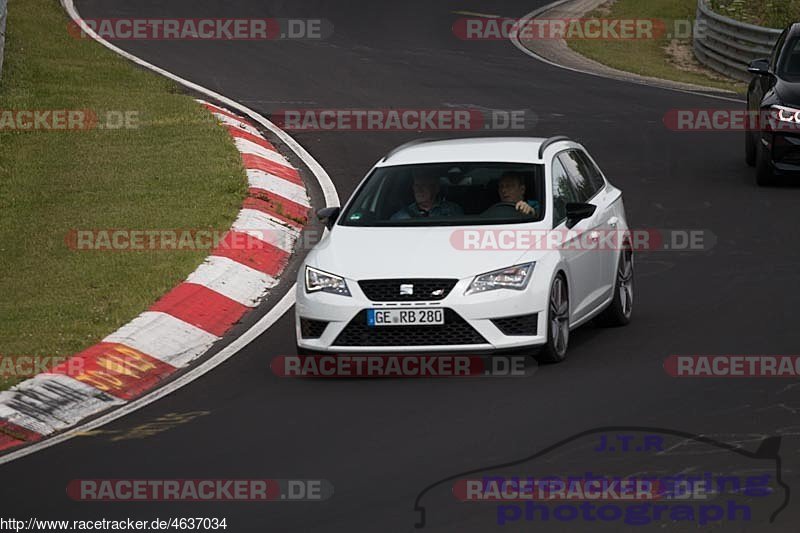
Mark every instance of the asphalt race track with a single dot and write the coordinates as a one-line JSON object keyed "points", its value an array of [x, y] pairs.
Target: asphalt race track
{"points": [[381, 442]]}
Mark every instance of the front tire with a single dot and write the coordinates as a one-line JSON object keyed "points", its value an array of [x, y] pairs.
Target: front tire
{"points": [[749, 148], [555, 350], [764, 174], [619, 311]]}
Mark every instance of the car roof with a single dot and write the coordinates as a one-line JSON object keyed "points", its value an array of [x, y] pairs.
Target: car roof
{"points": [[478, 149]]}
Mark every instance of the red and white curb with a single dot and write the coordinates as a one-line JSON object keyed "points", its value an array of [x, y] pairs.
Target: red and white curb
{"points": [[187, 321]]}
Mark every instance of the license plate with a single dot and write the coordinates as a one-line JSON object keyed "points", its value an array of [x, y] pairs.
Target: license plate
{"points": [[405, 317]]}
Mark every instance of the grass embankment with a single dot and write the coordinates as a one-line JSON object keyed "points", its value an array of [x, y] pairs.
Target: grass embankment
{"points": [[175, 169], [662, 57], [769, 13]]}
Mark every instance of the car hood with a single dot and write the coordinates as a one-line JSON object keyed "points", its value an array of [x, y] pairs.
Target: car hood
{"points": [[430, 252]]}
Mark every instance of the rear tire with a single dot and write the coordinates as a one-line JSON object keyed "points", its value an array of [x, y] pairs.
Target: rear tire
{"points": [[619, 311], [555, 350]]}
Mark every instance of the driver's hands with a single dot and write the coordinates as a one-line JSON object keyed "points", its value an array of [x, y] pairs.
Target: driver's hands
{"points": [[523, 207]]}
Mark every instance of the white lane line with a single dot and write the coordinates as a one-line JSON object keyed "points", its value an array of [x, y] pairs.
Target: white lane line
{"points": [[272, 316], [514, 38]]}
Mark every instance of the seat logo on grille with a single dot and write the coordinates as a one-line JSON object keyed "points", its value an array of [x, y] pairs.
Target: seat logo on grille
{"points": [[437, 292], [406, 289]]}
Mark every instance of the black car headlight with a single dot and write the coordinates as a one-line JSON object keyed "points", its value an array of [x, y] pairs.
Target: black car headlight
{"points": [[784, 118]]}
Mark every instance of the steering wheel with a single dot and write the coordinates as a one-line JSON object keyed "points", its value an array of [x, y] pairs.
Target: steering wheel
{"points": [[512, 205], [503, 210]]}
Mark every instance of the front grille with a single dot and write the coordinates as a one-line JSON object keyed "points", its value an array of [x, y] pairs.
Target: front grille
{"points": [[388, 290], [517, 325], [312, 329], [786, 149], [454, 331], [789, 157]]}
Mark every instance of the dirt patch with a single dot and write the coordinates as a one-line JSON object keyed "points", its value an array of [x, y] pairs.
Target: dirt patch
{"points": [[681, 56]]}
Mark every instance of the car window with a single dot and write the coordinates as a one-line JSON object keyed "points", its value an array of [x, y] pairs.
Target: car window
{"points": [[563, 192], [595, 176], [582, 174]]}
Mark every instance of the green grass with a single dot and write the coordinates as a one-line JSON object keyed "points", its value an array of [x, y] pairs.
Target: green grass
{"points": [[769, 13], [648, 57], [178, 169]]}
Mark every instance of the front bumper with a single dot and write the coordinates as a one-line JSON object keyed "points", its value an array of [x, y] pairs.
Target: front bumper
{"points": [[337, 324], [784, 152]]}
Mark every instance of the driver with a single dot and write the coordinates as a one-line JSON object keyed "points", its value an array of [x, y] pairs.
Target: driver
{"points": [[427, 200], [511, 189]]}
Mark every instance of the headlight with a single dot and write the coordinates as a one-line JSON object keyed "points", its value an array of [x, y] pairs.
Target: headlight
{"points": [[783, 118], [515, 277], [317, 280], [786, 114]]}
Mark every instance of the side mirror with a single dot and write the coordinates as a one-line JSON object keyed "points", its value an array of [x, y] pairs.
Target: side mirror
{"points": [[577, 212], [759, 67], [328, 216]]}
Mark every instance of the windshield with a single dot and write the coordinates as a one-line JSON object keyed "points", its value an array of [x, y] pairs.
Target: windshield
{"points": [[449, 194], [789, 67]]}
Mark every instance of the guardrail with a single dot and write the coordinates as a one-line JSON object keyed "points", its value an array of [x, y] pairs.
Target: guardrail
{"points": [[3, 10], [727, 45]]}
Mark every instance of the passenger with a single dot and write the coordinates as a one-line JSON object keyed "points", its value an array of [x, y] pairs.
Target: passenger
{"points": [[427, 201]]}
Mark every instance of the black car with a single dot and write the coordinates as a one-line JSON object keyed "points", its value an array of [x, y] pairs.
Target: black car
{"points": [[772, 143]]}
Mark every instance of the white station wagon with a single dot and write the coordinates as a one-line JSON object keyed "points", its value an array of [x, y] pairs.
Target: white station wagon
{"points": [[469, 245]]}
